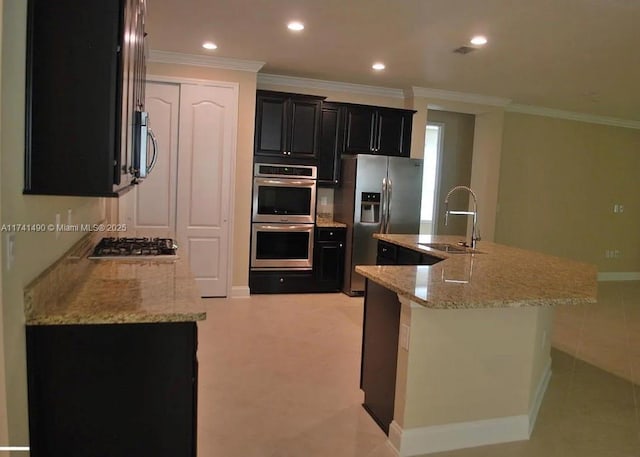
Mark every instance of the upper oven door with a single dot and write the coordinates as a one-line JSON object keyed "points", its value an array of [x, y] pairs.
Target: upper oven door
{"points": [[284, 200]]}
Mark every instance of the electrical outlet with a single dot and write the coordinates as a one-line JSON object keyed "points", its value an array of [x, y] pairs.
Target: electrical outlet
{"points": [[618, 208]]}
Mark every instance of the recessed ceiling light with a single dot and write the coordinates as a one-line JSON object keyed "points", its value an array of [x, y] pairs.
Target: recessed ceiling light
{"points": [[209, 45], [478, 40], [378, 66], [296, 26]]}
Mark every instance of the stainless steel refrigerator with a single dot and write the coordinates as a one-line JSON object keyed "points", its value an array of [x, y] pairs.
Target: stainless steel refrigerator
{"points": [[378, 194]]}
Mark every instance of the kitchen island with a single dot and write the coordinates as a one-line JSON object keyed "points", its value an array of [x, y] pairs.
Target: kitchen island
{"points": [[111, 357], [457, 354]]}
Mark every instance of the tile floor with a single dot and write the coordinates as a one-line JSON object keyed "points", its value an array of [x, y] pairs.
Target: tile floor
{"points": [[279, 377]]}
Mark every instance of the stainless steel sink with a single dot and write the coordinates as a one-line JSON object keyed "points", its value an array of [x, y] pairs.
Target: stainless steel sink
{"points": [[450, 248]]}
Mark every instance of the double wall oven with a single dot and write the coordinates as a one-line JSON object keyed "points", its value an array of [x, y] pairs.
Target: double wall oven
{"points": [[284, 212]]}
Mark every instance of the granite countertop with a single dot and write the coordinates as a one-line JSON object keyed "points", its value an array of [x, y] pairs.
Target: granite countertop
{"points": [[326, 221], [496, 276], [112, 291]]}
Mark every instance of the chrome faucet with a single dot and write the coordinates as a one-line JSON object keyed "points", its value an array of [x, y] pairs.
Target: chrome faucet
{"points": [[475, 235]]}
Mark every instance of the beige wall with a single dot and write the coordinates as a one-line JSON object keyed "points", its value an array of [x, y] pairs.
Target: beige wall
{"points": [[487, 359], [455, 167], [34, 251], [487, 144], [559, 180], [244, 154], [485, 169], [4, 427]]}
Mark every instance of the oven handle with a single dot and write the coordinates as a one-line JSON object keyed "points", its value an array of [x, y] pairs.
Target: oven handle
{"points": [[285, 227], [287, 182]]}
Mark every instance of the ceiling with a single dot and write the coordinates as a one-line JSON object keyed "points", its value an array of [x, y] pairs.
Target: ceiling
{"points": [[576, 55]]}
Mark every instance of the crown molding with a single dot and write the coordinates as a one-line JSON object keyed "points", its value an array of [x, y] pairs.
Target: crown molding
{"points": [[465, 97], [425, 92], [573, 116], [321, 84], [225, 63]]}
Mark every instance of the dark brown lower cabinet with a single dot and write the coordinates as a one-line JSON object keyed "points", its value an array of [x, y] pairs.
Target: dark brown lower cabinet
{"points": [[116, 390], [392, 254], [281, 282], [328, 258], [380, 332]]}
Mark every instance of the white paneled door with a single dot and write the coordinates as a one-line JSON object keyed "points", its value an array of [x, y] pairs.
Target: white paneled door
{"points": [[151, 208], [206, 149]]}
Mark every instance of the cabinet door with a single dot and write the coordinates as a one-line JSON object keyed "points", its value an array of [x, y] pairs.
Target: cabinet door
{"points": [[329, 261], [329, 146], [387, 253], [359, 130], [112, 390], [408, 257], [271, 125], [328, 258], [304, 124], [73, 98], [392, 138]]}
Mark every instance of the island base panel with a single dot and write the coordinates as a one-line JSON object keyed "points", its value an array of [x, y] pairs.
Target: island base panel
{"points": [[381, 326]]}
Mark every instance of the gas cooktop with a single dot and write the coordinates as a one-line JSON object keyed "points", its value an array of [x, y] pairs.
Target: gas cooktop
{"points": [[134, 247]]}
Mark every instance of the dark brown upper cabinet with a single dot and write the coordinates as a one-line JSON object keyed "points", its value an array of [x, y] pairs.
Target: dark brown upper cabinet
{"points": [[287, 125], [85, 79], [330, 146], [376, 130]]}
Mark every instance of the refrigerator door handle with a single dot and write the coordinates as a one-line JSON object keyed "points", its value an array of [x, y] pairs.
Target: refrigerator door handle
{"points": [[388, 198], [383, 209]]}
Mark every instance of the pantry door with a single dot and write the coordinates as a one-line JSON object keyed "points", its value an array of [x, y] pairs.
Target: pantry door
{"points": [[151, 207], [206, 151]]}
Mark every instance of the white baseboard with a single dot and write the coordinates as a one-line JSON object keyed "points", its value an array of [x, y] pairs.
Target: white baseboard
{"points": [[619, 276], [439, 438], [240, 292]]}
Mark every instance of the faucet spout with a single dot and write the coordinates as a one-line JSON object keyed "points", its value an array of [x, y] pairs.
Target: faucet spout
{"points": [[475, 235]]}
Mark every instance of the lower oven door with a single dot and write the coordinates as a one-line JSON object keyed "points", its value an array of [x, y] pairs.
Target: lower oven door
{"points": [[282, 246]]}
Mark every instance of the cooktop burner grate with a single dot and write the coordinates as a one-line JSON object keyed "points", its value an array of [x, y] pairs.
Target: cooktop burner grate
{"points": [[131, 247]]}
